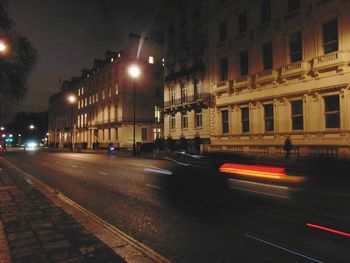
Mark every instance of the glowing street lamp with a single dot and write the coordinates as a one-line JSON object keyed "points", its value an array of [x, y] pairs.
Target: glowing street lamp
{"points": [[134, 72], [31, 127], [2, 128], [71, 100], [3, 47]]}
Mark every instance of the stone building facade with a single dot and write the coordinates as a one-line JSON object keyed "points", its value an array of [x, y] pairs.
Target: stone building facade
{"points": [[279, 69], [186, 84]]}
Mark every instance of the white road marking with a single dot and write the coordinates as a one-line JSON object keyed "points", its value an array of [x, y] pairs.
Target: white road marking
{"points": [[283, 248], [173, 160], [154, 186], [103, 173], [257, 192], [260, 184], [156, 170]]}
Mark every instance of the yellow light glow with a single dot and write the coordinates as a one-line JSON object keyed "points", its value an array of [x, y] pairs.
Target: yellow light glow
{"points": [[3, 47], [134, 71], [71, 99]]}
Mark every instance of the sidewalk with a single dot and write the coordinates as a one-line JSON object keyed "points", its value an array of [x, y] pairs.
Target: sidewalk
{"points": [[33, 229]]}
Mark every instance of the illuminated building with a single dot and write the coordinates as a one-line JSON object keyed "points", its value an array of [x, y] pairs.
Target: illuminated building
{"points": [[280, 68], [186, 85], [103, 112]]}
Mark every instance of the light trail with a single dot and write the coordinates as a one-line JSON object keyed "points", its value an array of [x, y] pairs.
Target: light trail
{"points": [[334, 231]]}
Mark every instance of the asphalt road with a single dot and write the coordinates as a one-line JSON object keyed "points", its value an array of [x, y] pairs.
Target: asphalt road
{"points": [[188, 213]]}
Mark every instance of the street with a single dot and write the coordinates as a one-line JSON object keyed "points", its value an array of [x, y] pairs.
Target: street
{"points": [[188, 212]]}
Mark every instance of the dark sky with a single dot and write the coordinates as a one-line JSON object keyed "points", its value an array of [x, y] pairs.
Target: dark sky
{"points": [[69, 34]]}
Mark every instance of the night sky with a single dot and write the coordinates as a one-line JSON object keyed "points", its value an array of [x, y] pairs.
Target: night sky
{"points": [[69, 34]]}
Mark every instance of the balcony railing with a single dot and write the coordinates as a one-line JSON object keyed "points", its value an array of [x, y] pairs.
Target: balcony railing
{"points": [[331, 60], [266, 76], [187, 100], [241, 82], [295, 69]]}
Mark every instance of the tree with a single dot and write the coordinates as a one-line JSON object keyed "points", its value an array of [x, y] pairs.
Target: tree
{"points": [[16, 64]]}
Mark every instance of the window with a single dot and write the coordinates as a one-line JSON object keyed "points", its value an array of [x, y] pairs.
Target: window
{"points": [[222, 31], [103, 95], [116, 89], [297, 115], [85, 119], [199, 118], [96, 97], [268, 114], [225, 122], [330, 36], [184, 120], [85, 102], [78, 104], [293, 5], [184, 68], [332, 113], [93, 98], [82, 90], [183, 93], [144, 134], [110, 92], [78, 122], [156, 133], [295, 47], [157, 113], [172, 122], [265, 9], [172, 96], [242, 22], [267, 55], [243, 60], [223, 69], [78, 92], [245, 119], [89, 100], [151, 60]]}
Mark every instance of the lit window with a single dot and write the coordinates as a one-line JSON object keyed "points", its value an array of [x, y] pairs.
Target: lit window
{"points": [[110, 92], [150, 60], [332, 112], [85, 102], [78, 104], [82, 90], [103, 95], [96, 97], [116, 89], [157, 113], [89, 100], [78, 92]]}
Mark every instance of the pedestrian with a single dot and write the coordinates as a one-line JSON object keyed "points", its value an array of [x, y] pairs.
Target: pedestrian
{"points": [[288, 146]]}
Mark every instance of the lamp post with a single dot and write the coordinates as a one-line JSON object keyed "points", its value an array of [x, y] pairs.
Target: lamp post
{"points": [[71, 100], [134, 72]]}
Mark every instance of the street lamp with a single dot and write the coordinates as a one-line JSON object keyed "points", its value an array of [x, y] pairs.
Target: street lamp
{"points": [[2, 128], [71, 100], [3, 47], [31, 127], [134, 72]]}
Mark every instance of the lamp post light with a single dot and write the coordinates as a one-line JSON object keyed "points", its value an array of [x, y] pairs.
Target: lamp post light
{"points": [[3, 47], [134, 72], [71, 100]]}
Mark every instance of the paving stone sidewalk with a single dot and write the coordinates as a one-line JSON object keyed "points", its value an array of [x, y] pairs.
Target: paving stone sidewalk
{"points": [[33, 229]]}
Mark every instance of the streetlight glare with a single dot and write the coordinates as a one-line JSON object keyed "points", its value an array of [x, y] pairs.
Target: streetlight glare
{"points": [[31, 126], [71, 99], [3, 47], [134, 71]]}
